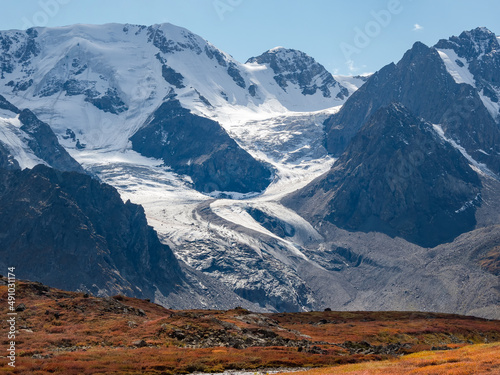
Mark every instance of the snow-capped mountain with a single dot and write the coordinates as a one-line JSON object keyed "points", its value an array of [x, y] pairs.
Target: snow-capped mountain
{"points": [[294, 68], [108, 90], [102, 82], [473, 58], [99, 85]]}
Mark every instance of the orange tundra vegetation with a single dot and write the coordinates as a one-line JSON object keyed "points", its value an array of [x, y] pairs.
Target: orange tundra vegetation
{"points": [[476, 359], [74, 334]]}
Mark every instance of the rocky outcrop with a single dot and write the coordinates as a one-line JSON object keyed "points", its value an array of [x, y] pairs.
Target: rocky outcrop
{"points": [[39, 137], [200, 148], [273, 224], [7, 161], [398, 177], [5, 104]]}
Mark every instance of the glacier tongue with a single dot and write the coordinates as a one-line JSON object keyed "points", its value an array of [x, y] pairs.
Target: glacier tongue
{"points": [[219, 237]]}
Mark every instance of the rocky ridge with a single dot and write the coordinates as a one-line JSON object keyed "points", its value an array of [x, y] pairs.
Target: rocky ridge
{"points": [[295, 67]]}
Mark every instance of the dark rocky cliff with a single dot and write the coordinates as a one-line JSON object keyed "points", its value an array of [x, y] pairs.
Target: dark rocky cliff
{"points": [[72, 232]]}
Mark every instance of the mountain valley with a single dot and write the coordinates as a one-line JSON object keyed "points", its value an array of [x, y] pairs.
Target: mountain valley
{"points": [[272, 185]]}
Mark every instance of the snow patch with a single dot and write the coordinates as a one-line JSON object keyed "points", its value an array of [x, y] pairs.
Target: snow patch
{"points": [[457, 67], [478, 167], [351, 83], [492, 107], [469, 204]]}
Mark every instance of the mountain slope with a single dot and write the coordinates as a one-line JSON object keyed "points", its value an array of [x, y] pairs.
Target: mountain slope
{"points": [[399, 177], [69, 230], [424, 84]]}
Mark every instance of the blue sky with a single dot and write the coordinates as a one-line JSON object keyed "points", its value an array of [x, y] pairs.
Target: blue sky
{"points": [[346, 36]]}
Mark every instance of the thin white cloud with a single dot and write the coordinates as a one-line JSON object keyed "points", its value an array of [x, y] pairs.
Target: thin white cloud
{"points": [[351, 67], [417, 27]]}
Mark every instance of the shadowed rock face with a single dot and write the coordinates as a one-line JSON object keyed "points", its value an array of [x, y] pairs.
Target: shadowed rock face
{"points": [[201, 149], [398, 177], [272, 224], [421, 83], [72, 232], [5, 104]]}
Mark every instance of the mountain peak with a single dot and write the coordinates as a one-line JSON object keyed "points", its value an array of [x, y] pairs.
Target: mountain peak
{"points": [[291, 66], [479, 33], [484, 41], [472, 44], [281, 57]]}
